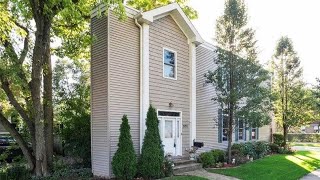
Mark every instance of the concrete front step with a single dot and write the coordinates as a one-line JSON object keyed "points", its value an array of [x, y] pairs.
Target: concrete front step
{"points": [[183, 161], [186, 167]]}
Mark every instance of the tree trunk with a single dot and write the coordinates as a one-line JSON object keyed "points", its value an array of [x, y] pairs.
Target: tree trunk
{"points": [[22, 144], [47, 107], [40, 53], [285, 135], [230, 130]]}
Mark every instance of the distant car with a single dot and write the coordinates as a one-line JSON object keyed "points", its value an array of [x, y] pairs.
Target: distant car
{"points": [[6, 141], [8, 145]]}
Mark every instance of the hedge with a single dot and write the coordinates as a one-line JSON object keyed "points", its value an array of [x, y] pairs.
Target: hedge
{"points": [[293, 137]]}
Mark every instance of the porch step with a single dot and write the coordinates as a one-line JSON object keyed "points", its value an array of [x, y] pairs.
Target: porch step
{"points": [[186, 167], [183, 161]]}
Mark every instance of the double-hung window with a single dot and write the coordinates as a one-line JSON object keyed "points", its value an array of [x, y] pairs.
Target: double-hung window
{"points": [[253, 133], [169, 64], [240, 129], [225, 127]]}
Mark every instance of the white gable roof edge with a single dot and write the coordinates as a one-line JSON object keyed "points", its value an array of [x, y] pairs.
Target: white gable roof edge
{"points": [[181, 19]]}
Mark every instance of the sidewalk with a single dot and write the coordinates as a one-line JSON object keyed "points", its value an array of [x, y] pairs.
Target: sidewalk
{"points": [[315, 175], [206, 174]]}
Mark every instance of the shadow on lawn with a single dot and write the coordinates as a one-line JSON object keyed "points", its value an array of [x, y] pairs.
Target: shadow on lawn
{"points": [[289, 167]]}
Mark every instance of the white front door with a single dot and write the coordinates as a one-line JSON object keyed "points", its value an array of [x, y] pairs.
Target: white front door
{"points": [[170, 129]]}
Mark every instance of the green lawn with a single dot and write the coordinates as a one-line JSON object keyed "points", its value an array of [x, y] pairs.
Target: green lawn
{"points": [[185, 178], [305, 144], [288, 167]]}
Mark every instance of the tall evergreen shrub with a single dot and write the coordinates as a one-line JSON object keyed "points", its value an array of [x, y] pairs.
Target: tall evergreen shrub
{"points": [[124, 162], [152, 154]]}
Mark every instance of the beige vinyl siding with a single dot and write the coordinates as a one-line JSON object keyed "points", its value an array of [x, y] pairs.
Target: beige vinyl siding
{"points": [[207, 109], [99, 98], [124, 80], [265, 133], [165, 33]]}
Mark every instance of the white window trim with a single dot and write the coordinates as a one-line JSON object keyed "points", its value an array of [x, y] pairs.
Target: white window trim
{"points": [[175, 64]]}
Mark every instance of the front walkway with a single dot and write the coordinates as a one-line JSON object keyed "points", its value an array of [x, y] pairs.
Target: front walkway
{"points": [[315, 175], [206, 174], [306, 148]]}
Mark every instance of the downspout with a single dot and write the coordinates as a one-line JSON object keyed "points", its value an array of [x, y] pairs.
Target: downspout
{"points": [[141, 85]]}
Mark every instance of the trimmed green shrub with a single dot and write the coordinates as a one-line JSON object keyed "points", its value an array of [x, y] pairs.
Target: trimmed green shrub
{"points": [[278, 139], [152, 154], [207, 159], [261, 148], [240, 148], [249, 150], [218, 155], [274, 148], [124, 162], [315, 138]]}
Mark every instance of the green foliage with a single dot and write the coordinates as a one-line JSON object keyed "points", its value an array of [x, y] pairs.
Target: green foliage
{"points": [[152, 154], [256, 149], [278, 139], [147, 5], [261, 148], [72, 107], [124, 162], [207, 159], [219, 155], [15, 171], [274, 148], [294, 104], [168, 167], [315, 138], [239, 77]]}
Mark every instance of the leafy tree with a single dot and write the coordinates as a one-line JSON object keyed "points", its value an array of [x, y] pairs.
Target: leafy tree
{"points": [[242, 85], [152, 154], [294, 104], [124, 162], [72, 107], [316, 94], [27, 29], [147, 5]]}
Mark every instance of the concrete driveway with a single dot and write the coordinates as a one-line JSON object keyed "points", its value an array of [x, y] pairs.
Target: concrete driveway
{"points": [[305, 148]]}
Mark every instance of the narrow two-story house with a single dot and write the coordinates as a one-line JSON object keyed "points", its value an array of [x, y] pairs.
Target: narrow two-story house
{"points": [[155, 57]]}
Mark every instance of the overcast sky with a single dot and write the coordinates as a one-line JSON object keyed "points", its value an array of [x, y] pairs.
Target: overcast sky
{"points": [[298, 19]]}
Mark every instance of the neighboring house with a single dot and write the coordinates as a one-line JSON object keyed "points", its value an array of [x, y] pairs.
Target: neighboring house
{"points": [[159, 58], [311, 128]]}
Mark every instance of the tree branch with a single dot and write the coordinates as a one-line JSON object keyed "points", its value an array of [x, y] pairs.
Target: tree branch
{"points": [[15, 104], [25, 49], [21, 142]]}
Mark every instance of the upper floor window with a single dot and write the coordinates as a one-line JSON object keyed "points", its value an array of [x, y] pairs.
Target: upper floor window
{"points": [[169, 64]]}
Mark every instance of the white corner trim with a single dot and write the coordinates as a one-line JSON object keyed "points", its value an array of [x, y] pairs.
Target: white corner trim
{"points": [[175, 63], [145, 81], [193, 94]]}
